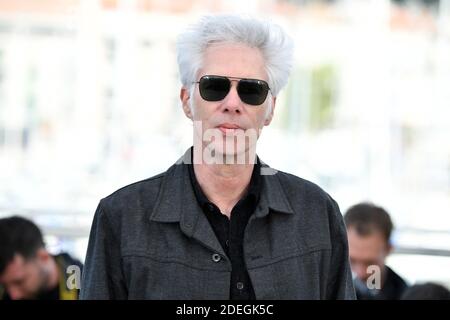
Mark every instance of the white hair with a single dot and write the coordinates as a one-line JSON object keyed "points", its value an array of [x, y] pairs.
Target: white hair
{"points": [[274, 44]]}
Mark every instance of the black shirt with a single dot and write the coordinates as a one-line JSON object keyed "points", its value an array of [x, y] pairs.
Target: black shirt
{"points": [[230, 232]]}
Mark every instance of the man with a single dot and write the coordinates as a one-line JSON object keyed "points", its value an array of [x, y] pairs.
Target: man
{"points": [[28, 270], [219, 224], [369, 229]]}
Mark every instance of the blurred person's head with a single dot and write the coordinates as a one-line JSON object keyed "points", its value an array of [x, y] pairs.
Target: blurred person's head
{"points": [[232, 47], [426, 291], [369, 229], [26, 267]]}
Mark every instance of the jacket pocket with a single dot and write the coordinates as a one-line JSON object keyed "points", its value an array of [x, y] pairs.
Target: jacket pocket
{"points": [[153, 277], [300, 275]]}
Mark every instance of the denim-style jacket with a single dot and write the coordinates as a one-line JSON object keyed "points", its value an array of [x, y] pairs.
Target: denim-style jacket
{"points": [[151, 240]]}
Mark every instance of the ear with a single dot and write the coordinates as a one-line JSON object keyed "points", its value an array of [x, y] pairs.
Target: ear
{"points": [[185, 102], [42, 255], [270, 116], [389, 248]]}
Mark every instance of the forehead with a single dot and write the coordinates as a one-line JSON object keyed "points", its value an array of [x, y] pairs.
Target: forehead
{"points": [[234, 60], [367, 246]]}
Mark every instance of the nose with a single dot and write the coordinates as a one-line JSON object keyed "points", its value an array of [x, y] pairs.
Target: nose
{"points": [[232, 103]]}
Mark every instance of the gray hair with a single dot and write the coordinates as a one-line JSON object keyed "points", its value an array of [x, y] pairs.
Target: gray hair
{"points": [[275, 45]]}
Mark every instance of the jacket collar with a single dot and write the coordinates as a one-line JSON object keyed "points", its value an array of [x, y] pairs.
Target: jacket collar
{"points": [[176, 201]]}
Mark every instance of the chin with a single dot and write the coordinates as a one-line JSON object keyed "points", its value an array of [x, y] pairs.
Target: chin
{"points": [[228, 151]]}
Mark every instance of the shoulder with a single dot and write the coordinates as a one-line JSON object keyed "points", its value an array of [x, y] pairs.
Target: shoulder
{"points": [[396, 279], [304, 193], [129, 203], [134, 191], [140, 192], [296, 186], [314, 207], [65, 259]]}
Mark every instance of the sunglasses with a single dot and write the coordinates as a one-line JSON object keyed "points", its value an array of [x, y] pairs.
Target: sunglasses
{"points": [[216, 88]]}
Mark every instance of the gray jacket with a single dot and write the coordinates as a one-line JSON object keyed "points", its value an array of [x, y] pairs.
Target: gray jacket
{"points": [[151, 240]]}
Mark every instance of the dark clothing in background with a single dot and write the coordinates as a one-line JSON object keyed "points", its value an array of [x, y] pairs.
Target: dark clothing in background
{"points": [[152, 240], [426, 291], [393, 288]]}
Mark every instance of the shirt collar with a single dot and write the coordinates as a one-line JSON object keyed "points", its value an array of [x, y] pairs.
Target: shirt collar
{"points": [[253, 191], [176, 200]]}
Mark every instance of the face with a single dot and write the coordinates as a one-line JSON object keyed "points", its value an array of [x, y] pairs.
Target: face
{"points": [[365, 251], [223, 122], [24, 278]]}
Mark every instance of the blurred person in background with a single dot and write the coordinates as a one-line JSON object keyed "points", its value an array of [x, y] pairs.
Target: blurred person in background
{"points": [[369, 229], [426, 291], [222, 229], [27, 269]]}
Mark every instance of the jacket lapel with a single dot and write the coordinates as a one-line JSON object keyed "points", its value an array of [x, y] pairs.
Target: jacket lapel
{"points": [[177, 203], [273, 196]]}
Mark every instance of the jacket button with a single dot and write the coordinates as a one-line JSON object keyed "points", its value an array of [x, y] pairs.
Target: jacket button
{"points": [[216, 257], [240, 285]]}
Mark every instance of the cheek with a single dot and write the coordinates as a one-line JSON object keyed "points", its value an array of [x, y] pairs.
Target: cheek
{"points": [[33, 279], [261, 117], [199, 110]]}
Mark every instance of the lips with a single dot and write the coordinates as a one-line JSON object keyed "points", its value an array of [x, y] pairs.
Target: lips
{"points": [[228, 128]]}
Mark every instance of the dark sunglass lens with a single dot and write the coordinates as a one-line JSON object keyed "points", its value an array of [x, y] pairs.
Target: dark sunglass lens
{"points": [[214, 88], [253, 92]]}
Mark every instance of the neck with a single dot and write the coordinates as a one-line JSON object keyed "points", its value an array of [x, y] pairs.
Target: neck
{"points": [[224, 184]]}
